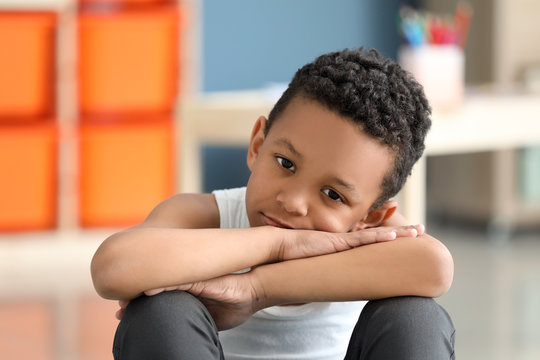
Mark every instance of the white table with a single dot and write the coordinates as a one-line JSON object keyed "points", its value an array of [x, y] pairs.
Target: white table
{"points": [[485, 122]]}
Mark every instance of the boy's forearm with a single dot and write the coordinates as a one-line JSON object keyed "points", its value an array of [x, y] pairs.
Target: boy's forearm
{"points": [[141, 259], [414, 266]]}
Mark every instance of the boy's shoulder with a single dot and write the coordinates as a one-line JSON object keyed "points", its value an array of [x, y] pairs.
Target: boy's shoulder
{"points": [[232, 207], [195, 211]]}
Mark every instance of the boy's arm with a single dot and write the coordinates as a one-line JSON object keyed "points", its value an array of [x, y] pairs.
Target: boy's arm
{"points": [[180, 243], [177, 243], [419, 266]]}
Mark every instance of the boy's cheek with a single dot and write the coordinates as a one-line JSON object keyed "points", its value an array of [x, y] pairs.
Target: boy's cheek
{"points": [[333, 225]]}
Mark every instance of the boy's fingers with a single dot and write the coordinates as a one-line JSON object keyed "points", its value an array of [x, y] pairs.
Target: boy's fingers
{"points": [[407, 232], [119, 314], [371, 237], [153, 292], [385, 236], [389, 233], [410, 230]]}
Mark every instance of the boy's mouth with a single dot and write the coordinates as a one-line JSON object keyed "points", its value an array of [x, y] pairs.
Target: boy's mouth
{"points": [[267, 220]]}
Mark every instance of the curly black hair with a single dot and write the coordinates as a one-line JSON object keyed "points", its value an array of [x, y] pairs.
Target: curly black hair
{"points": [[373, 92]]}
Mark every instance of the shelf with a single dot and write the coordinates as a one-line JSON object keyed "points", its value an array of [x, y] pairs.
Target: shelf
{"points": [[35, 4], [486, 121]]}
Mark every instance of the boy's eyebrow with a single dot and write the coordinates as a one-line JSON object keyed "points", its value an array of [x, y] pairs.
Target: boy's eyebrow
{"points": [[286, 142], [346, 185]]}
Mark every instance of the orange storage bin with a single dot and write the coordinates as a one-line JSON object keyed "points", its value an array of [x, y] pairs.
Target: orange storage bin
{"points": [[125, 170], [128, 60], [28, 181], [27, 65]]}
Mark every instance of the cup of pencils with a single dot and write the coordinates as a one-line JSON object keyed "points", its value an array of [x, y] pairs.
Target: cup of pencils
{"points": [[433, 52]]}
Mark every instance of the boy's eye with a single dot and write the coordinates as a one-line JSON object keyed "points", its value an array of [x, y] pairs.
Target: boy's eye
{"points": [[332, 194], [286, 163]]}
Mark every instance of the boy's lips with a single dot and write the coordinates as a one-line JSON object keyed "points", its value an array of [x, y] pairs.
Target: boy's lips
{"points": [[267, 220]]}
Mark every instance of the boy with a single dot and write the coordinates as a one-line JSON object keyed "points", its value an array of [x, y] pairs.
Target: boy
{"points": [[314, 229]]}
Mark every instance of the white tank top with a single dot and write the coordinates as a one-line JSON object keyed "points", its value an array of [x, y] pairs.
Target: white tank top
{"points": [[314, 331]]}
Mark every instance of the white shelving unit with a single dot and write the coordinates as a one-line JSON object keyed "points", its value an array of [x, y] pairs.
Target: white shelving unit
{"points": [[485, 122], [54, 265]]}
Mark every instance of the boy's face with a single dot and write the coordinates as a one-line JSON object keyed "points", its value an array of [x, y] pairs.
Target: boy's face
{"points": [[314, 170]]}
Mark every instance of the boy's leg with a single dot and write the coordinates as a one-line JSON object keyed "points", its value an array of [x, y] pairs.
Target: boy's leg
{"points": [[402, 328], [171, 325]]}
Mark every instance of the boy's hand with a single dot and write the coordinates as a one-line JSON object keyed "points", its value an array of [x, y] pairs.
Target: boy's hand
{"points": [[230, 299], [306, 243]]}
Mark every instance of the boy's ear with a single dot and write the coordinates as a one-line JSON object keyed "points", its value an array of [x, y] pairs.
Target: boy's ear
{"points": [[257, 138], [377, 216]]}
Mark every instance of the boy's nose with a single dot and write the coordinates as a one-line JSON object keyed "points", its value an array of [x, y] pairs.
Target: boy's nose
{"points": [[294, 202]]}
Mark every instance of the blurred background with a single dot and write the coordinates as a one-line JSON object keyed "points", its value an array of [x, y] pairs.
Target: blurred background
{"points": [[108, 107]]}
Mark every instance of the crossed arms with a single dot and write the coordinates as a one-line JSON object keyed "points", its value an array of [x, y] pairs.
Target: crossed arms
{"points": [[180, 247]]}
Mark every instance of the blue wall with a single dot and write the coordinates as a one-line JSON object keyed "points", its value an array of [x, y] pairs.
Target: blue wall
{"points": [[224, 167], [248, 43]]}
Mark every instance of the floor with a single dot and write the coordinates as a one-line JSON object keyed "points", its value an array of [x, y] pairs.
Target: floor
{"points": [[495, 297], [48, 307], [494, 300]]}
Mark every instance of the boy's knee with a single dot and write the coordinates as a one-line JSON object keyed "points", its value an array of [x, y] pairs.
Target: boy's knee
{"points": [[167, 310], [408, 308], [166, 299], [164, 326], [410, 314], [408, 327]]}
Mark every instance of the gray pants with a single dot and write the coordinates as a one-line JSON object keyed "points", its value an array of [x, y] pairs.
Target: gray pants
{"points": [[175, 325]]}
